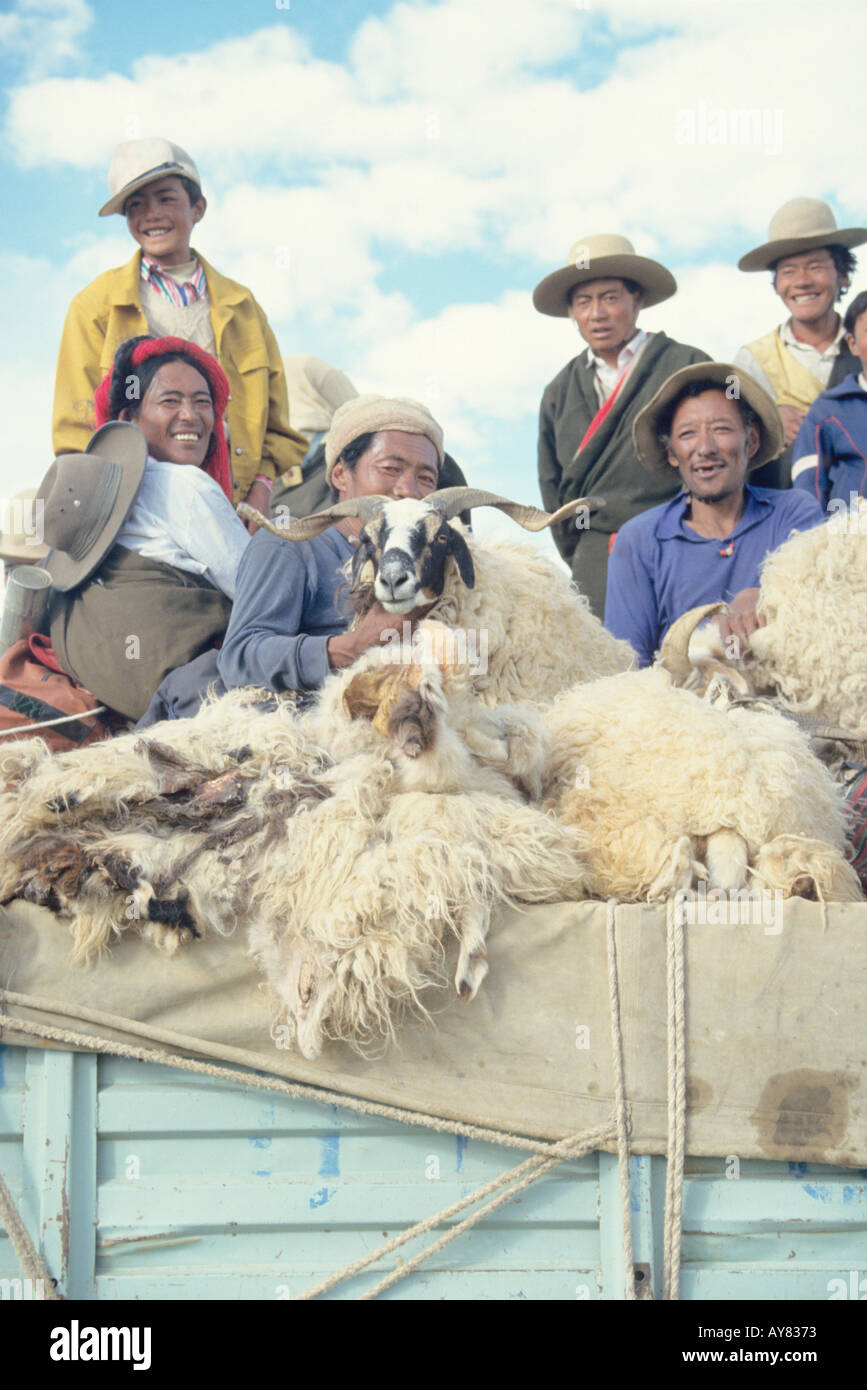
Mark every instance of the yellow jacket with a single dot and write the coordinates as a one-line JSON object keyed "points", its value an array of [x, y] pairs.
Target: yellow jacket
{"points": [[109, 310]]}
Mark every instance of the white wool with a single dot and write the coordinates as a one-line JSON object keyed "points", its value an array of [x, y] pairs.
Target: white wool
{"points": [[813, 651], [356, 869], [648, 772], [540, 634]]}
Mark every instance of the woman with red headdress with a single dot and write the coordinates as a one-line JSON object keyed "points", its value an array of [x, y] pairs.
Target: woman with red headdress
{"points": [[162, 593]]}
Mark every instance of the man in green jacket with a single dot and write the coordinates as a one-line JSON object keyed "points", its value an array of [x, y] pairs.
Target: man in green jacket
{"points": [[168, 289], [587, 411]]}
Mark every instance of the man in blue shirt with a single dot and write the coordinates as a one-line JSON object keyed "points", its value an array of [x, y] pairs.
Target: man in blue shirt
{"points": [[712, 424]]}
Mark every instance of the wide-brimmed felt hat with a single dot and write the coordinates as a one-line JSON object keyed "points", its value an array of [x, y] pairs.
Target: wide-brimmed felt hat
{"points": [[600, 257], [87, 497], [137, 162], [802, 224], [18, 543], [736, 383]]}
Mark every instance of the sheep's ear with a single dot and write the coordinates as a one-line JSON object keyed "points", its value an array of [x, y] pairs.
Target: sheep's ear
{"points": [[461, 551], [363, 553]]}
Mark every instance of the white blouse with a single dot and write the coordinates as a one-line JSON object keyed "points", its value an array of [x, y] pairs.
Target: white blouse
{"points": [[182, 517]]}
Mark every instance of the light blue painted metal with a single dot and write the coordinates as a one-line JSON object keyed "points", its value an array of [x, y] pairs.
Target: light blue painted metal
{"points": [[144, 1182]]}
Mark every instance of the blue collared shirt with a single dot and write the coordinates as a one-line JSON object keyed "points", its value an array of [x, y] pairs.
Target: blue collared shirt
{"points": [[660, 568]]}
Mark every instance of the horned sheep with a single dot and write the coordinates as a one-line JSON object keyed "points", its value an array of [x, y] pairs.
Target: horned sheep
{"points": [[539, 634], [359, 839]]}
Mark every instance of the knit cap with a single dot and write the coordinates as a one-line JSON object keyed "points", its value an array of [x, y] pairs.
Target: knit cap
{"points": [[368, 414]]}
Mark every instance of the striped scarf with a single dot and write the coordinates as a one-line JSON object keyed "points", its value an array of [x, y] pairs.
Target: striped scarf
{"points": [[162, 282]]}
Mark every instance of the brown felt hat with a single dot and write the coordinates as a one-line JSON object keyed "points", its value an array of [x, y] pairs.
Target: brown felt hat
{"points": [[802, 224], [87, 498], [600, 257], [736, 383]]}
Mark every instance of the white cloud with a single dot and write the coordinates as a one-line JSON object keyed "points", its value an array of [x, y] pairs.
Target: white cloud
{"points": [[472, 363], [44, 35], [26, 390], [449, 122]]}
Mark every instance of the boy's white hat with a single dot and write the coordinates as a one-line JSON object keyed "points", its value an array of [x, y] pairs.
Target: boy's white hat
{"points": [[137, 162]]}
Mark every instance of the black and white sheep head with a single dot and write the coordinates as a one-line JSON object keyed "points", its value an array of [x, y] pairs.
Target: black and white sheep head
{"points": [[403, 551], [405, 544]]}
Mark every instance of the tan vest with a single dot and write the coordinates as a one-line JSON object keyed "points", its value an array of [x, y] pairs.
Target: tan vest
{"points": [[792, 383]]}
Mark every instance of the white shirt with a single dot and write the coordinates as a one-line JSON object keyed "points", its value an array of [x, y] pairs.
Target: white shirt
{"points": [[606, 377], [182, 517], [818, 364]]}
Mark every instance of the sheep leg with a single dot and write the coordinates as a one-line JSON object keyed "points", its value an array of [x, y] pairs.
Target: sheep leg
{"points": [[676, 872], [726, 858], [472, 965], [306, 992]]}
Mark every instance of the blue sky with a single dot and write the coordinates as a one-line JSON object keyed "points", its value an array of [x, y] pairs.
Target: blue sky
{"points": [[422, 166]]}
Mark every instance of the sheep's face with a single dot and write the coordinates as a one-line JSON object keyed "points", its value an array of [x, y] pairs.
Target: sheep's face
{"points": [[408, 545]]}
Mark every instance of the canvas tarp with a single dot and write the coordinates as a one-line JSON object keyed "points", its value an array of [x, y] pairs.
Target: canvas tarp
{"points": [[775, 1025]]}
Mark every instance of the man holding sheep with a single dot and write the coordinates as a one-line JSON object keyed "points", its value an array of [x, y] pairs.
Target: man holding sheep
{"points": [[710, 425], [289, 623]]}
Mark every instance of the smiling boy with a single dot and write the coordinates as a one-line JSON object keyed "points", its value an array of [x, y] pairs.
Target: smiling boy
{"points": [[811, 264], [169, 290]]}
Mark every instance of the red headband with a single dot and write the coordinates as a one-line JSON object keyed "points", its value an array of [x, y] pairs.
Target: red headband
{"points": [[217, 459]]}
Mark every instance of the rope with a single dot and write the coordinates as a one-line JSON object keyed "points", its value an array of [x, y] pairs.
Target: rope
{"points": [[676, 994], [34, 1266], [48, 723], [89, 1043], [542, 1166], [620, 1114], [506, 1186], [546, 1155], [523, 1175]]}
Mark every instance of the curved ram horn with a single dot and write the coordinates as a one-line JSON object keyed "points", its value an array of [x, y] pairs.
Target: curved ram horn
{"points": [[452, 500], [674, 653], [735, 678], [304, 528]]}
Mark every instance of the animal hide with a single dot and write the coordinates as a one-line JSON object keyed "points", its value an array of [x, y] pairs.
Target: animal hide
{"points": [[351, 863]]}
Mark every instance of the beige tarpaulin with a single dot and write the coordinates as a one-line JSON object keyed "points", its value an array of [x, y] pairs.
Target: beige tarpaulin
{"points": [[775, 1025]]}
